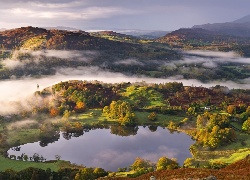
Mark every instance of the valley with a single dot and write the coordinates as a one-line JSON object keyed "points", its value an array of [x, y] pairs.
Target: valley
{"points": [[87, 105]]}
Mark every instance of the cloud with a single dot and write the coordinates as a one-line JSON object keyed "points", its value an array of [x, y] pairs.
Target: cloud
{"points": [[22, 124], [58, 5], [148, 14], [209, 64], [129, 62], [218, 54], [12, 64], [83, 13], [37, 56], [16, 92], [202, 60]]}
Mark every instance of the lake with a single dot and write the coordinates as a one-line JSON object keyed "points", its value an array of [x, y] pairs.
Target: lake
{"points": [[113, 148]]}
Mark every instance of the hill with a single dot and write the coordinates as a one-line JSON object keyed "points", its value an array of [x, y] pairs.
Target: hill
{"points": [[198, 37], [240, 27], [203, 39], [245, 19], [106, 49], [38, 38], [34, 38]]}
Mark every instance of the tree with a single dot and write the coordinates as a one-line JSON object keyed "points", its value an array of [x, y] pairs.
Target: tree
{"points": [[189, 162], [248, 110], [244, 116], [57, 157], [140, 163], [191, 111], [66, 114], [54, 112], [172, 125], [166, 163], [246, 125], [231, 109], [85, 173], [120, 111], [80, 107], [99, 172]]}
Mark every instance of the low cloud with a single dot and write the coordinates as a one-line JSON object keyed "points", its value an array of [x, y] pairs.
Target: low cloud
{"points": [[35, 57], [16, 92], [217, 54], [12, 64], [129, 62], [209, 64], [205, 59], [22, 124]]}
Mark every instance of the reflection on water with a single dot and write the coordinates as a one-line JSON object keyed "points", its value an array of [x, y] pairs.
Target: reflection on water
{"points": [[114, 147]]}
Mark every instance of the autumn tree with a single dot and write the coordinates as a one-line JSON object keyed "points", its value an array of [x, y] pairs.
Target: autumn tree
{"points": [[246, 125], [189, 162], [80, 107], [120, 111], [54, 112], [152, 116], [172, 125], [166, 163], [140, 163], [90, 173], [213, 130], [231, 109]]}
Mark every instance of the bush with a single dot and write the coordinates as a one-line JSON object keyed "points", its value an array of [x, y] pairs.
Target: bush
{"points": [[152, 116]]}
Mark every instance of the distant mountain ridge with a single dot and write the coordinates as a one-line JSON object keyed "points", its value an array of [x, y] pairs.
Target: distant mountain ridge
{"points": [[61, 28], [245, 19], [240, 27], [198, 36], [203, 39], [146, 34]]}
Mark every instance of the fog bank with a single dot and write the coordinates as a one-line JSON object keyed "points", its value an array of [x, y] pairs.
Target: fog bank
{"points": [[17, 93]]}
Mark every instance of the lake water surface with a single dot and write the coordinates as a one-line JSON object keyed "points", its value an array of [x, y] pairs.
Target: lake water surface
{"points": [[100, 148]]}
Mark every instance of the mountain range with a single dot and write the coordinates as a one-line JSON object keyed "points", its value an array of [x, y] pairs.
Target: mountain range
{"points": [[240, 27]]}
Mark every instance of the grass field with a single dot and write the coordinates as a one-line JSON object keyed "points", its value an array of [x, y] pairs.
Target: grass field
{"points": [[162, 119], [96, 116], [23, 136], [91, 116], [238, 155], [6, 163]]}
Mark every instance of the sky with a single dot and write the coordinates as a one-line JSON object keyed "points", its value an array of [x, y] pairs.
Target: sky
{"points": [[120, 14]]}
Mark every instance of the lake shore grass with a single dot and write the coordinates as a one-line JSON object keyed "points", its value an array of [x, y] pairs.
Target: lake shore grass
{"points": [[6, 163]]}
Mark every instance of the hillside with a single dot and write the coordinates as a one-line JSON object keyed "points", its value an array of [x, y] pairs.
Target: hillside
{"points": [[118, 45], [230, 28], [103, 49], [239, 27], [245, 19], [38, 38], [198, 38]]}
